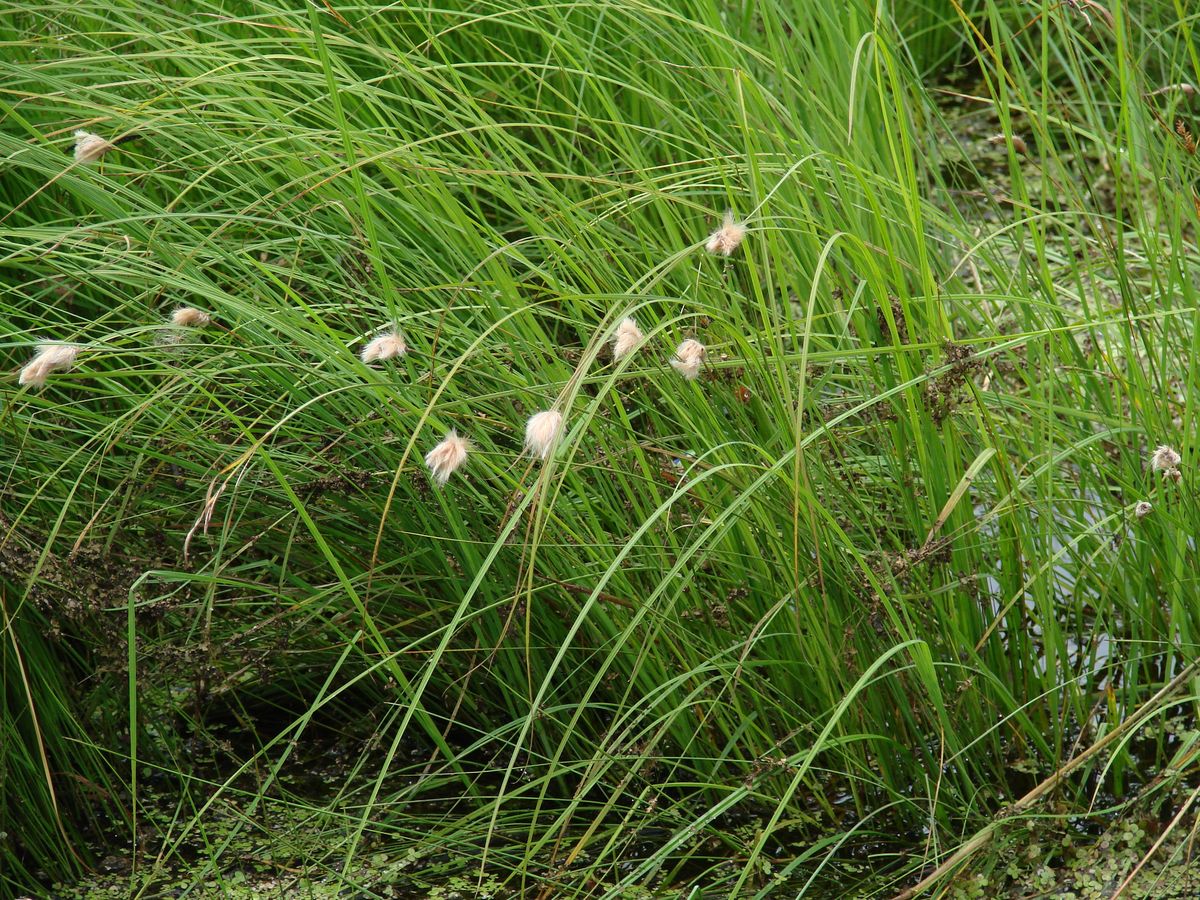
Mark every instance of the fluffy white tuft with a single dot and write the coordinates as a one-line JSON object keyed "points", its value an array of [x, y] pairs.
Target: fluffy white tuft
{"points": [[444, 459], [627, 337], [385, 346], [542, 432], [90, 147], [727, 238], [190, 317], [1164, 458], [688, 357], [51, 356]]}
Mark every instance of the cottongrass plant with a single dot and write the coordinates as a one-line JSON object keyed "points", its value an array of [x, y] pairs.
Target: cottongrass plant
{"points": [[1183, 87], [51, 356], [388, 345], [726, 239], [575, 645], [543, 431], [1166, 460], [1018, 142], [90, 147], [190, 317], [447, 457], [688, 357], [627, 337]]}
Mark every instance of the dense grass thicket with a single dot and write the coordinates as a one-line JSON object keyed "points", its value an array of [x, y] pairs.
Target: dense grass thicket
{"points": [[867, 602]]}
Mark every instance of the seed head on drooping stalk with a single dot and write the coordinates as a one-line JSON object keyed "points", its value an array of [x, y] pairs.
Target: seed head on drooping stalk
{"points": [[726, 239], [190, 317], [1167, 460], [50, 356], [543, 431], [447, 457], [688, 357], [388, 345], [626, 338]]}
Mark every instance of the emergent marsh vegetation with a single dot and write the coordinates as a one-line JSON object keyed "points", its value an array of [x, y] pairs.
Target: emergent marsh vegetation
{"points": [[415, 484]]}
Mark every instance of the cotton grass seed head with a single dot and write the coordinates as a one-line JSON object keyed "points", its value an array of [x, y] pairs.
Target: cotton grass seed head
{"points": [[1164, 458], [190, 317], [727, 238], [1182, 87], [90, 147], [445, 459], [1143, 509], [688, 357], [51, 356], [1018, 142], [388, 345], [542, 432], [627, 337]]}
